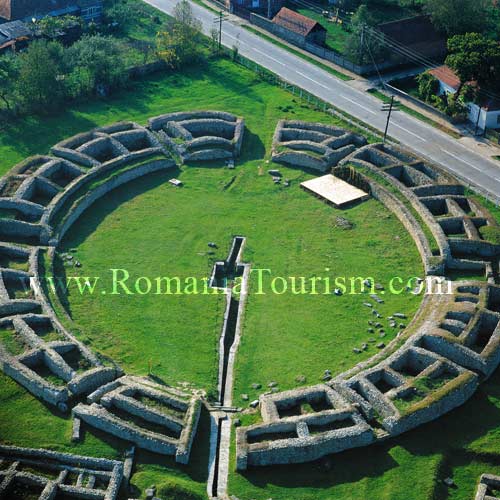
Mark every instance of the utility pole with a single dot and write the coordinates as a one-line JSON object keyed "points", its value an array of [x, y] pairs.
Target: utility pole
{"points": [[389, 107], [219, 20], [361, 44], [478, 118]]}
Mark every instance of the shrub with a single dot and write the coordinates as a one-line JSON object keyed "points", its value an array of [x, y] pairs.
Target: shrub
{"points": [[428, 86]]}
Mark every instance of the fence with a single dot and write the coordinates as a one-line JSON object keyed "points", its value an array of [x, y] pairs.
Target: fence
{"points": [[301, 42], [323, 52], [360, 126], [418, 102]]}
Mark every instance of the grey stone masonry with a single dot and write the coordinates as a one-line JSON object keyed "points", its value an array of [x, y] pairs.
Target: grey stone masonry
{"points": [[312, 145], [47, 361], [49, 474], [454, 218], [200, 135], [153, 417], [434, 365], [488, 485], [438, 368]]}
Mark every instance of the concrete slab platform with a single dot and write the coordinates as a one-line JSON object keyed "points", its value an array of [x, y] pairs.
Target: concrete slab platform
{"points": [[334, 190]]}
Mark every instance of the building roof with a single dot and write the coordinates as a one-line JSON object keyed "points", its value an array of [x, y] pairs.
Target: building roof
{"points": [[293, 21], [15, 29], [446, 76], [12, 32], [487, 101], [411, 30], [23, 9], [416, 34]]}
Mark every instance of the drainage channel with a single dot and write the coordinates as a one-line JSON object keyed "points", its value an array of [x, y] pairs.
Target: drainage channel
{"points": [[224, 276]]}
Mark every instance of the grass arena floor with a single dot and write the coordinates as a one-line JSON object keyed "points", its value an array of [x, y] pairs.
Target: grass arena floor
{"points": [[153, 229]]}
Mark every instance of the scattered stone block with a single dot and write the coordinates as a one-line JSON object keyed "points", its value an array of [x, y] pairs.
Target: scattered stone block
{"points": [[75, 435]]}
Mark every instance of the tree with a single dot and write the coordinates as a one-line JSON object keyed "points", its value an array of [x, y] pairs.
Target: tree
{"points": [[363, 46], [40, 80], [52, 26], [181, 41], [119, 15], [456, 17], [428, 86], [474, 57], [101, 59], [8, 76]]}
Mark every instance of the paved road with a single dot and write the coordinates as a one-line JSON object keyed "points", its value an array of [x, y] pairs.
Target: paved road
{"points": [[422, 138]]}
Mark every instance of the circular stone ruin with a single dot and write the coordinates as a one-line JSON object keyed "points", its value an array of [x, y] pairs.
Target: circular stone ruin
{"points": [[435, 365]]}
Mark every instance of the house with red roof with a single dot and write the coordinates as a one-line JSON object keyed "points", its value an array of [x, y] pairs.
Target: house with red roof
{"points": [[303, 28], [484, 113]]}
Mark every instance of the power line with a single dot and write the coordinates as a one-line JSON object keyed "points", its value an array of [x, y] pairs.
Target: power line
{"points": [[417, 57]]}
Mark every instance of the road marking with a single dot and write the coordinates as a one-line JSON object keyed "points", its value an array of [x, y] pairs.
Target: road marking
{"points": [[357, 104], [314, 81], [269, 57], [470, 165], [408, 131]]}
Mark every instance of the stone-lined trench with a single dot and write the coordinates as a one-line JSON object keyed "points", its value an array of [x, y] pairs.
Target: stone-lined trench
{"points": [[224, 276]]}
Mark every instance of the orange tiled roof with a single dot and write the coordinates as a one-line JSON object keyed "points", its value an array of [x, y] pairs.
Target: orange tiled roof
{"points": [[295, 22], [446, 75]]}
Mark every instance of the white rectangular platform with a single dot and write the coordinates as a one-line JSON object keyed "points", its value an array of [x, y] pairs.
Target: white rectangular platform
{"points": [[334, 190]]}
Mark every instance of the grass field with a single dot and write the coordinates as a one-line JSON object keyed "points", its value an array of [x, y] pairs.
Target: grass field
{"points": [[287, 231], [461, 445], [154, 229]]}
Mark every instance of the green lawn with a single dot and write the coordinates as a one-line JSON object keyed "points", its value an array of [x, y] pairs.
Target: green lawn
{"points": [[153, 229], [287, 231], [337, 34], [461, 445]]}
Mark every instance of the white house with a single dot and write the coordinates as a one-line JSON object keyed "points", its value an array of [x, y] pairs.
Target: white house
{"points": [[485, 114]]}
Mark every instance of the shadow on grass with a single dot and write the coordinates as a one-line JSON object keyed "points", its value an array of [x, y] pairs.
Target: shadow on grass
{"points": [[346, 467], [196, 469], [253, 147], [449, 436], [91, 219]]}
